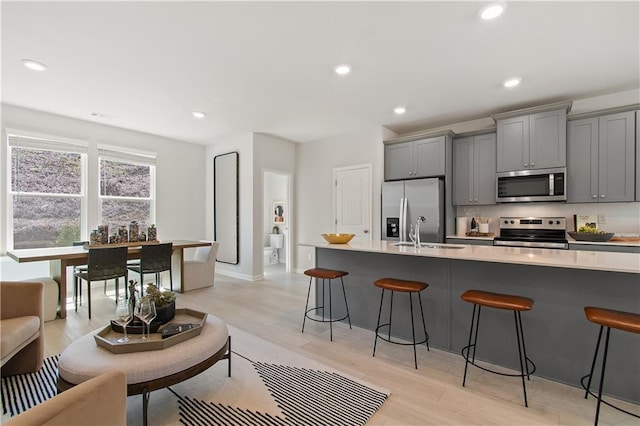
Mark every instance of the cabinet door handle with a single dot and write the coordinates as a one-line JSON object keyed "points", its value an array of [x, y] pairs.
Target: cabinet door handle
{"points": [[601, 195], [526, 164], [470, 200], [595, 196], [476, 200], [533, 164]]}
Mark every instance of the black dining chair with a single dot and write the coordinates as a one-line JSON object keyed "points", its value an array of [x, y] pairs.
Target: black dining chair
{"points": [[154, 258], [103, 264]]}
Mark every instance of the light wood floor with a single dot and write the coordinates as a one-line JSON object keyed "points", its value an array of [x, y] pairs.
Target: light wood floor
{"points": [[272, 309]]}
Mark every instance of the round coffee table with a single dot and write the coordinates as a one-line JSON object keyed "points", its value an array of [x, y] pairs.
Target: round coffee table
{"points": [[146, 371]]}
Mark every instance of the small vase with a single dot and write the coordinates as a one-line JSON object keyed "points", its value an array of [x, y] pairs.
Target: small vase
{"points": [[165, 313]]}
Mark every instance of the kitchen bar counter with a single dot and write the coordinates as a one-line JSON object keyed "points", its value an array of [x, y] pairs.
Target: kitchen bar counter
{"points": [[573, 259], [561, 282]]}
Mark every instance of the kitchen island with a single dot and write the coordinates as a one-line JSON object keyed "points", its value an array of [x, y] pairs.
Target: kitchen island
{"points": [[562, 282]]}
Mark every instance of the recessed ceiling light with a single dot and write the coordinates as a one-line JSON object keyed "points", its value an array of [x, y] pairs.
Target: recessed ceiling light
{"points": [[198, 114], [399, 110], [512, 82], [34, 65], [492, 10], [343, 69]]}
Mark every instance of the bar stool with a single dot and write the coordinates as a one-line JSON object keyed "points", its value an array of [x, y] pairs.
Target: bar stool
{"points": [[404, 286], [325, 274], [625, 321], [508, 302]]}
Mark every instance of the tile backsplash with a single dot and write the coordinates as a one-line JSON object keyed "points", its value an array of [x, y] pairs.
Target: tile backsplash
{"points": [[621, 218]]}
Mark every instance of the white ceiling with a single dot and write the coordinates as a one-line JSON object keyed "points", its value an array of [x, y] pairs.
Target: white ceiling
{"points": [[268, 67]]}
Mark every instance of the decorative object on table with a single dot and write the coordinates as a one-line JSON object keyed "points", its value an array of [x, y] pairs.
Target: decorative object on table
{"points": [[107, 336], [124, 314], [483, 225], [165, 303], [123, 234], [338, 238], [152, 233], [275, 230], [474, 225], [278, 212], [134, 231], [173, 329], [103, 232], [479, 234]]}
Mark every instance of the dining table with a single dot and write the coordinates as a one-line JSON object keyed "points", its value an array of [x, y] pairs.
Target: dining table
{"points": [[60, 258]]}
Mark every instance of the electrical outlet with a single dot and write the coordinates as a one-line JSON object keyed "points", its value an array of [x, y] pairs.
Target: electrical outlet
{"points": [[602, 219]]}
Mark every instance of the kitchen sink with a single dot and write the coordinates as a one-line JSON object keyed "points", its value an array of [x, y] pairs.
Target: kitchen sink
{"points": [[431, 245]]}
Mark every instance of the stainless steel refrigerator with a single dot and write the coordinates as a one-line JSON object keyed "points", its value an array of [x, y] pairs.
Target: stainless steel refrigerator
{"points": [[404, 201]]}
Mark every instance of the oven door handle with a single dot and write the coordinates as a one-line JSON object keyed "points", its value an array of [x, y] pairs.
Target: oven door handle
{"points": [[534, 244]]}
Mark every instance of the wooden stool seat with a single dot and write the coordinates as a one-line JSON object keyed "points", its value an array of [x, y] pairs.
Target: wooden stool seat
{"points": [[609, 318], [517, 304], [497, 300], [395, 284], [325, 274], [625, 321]]}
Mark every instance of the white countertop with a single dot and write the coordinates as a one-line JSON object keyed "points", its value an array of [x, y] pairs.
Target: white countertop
{"points": [[574, 259], [569, 239]]}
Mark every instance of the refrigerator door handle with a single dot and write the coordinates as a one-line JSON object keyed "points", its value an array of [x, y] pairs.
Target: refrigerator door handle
{"points": [[403, 220]]}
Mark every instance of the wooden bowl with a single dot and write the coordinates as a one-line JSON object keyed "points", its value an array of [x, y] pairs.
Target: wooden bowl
{"points": [[338, 238], [591, 237]]}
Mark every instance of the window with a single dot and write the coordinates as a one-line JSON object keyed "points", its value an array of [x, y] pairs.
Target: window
{"points": [[127, 188], [47, 197]]}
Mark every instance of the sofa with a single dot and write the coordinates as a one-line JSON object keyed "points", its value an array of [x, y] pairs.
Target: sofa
{"points": [[21, 327], [98, 401], [199, 272]]}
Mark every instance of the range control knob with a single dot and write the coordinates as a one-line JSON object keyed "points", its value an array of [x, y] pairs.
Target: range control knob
{"points": [[557, 222], [506, 222], [512, 222], [550, 222]]}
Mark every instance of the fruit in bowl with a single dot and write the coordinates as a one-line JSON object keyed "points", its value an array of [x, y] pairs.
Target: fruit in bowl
{"points": [[338, 238], [592, 234]]}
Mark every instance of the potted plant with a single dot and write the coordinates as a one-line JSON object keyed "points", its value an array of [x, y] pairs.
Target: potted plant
{"points": [[165, 302]]}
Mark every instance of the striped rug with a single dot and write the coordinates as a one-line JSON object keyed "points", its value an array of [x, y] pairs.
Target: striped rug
{"points": [[305, 396], [21, 392]]}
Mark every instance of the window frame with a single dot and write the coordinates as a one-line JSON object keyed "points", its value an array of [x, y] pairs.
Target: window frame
{"points": [[128, 156], [16, 139]]}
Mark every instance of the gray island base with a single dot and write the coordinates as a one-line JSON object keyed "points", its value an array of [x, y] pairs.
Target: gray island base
{"points": [[559, 339]]}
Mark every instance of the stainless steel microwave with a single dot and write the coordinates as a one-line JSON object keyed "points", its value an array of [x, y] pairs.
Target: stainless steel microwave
{"points": [[532, 185]]}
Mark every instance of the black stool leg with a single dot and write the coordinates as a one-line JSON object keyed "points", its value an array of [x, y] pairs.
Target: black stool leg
{"points": [[306, 306], [593, 363], [345, 302], [424, 325], [466, 358], [89, 296], [604, 364], [390, 314], [516, 317], [524, 349], [475, 339], [330, 314], [413, 332], [323, 305], [378, 323]]}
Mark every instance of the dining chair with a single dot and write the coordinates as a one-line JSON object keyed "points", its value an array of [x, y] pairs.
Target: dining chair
{"points": [[154, 258], [103, 264]]}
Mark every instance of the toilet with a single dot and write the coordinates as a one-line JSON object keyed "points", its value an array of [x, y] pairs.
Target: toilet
{"points": [[276, 241]]}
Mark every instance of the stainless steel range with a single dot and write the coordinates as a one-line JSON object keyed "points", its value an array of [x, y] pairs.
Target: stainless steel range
{"points": [[539, 232]]}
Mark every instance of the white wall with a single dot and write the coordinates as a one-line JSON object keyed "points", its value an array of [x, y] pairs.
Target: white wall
{"points": [[257, 152], [315, 162], [180, 171]]}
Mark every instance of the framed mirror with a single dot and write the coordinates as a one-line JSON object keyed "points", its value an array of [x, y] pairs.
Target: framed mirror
{"points": [[226, 225]]}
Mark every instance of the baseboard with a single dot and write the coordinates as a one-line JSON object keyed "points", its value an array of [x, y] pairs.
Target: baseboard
{"points": [[240, 276]]}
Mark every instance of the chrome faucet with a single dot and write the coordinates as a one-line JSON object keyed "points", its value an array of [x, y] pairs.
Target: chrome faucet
{"points": [[415, 235]]}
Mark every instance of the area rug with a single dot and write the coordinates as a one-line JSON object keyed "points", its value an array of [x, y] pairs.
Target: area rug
{"points": [[269, 385]]}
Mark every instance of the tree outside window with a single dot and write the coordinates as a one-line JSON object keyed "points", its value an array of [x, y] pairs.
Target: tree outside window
{"points": [[126, 192], [47, 197]]}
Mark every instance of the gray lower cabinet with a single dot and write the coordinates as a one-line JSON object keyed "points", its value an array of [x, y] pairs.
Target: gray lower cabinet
{"points": [[601, 159], [605, 247], [474, 170], [534, 141], [470, 241], [414, 159], [637, 155]]}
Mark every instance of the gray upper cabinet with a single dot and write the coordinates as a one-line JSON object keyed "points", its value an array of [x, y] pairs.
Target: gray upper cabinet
{"points": [[474, 168], [532, 141], [415, 159], [601, 159]]}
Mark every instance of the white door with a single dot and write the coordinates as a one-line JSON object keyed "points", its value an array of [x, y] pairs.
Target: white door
{"points": [[352, 200]]}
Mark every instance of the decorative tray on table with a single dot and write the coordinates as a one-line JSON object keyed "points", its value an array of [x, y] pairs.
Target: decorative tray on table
{"points": [[186, 324]]}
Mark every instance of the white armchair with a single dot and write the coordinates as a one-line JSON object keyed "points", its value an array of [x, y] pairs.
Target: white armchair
{"points": [[199, 272]]}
